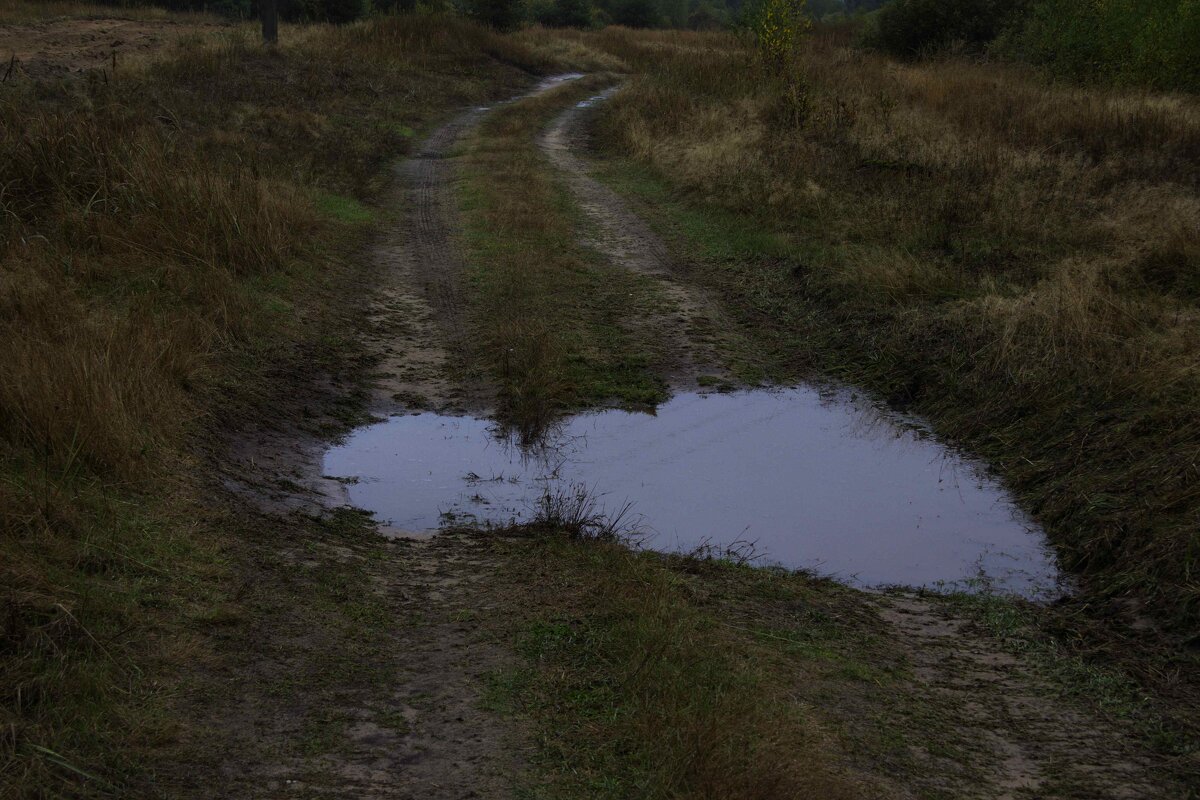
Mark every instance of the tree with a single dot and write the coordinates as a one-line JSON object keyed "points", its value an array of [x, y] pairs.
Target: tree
{"points": [[269, 11], [777, 27], [566, 14], [637, 14], [503, 15]]}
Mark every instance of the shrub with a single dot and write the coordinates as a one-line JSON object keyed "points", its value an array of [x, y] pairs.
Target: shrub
{"points": [[637, 14], [499, 14], [777, 27], [336, 11], [913, 28], [1153, 42], [707, 18], [565, 14]]}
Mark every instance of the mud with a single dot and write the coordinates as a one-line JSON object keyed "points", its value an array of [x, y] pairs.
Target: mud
{"points": [[402, 720], [1021, 737], [805, 479]]}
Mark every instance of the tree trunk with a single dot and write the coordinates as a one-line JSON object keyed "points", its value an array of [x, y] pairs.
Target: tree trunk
{"points": [[269, 10]]}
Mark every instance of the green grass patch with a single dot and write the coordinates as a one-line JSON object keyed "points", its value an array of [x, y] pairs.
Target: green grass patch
{"points": [[344, 209], [639, 690]]}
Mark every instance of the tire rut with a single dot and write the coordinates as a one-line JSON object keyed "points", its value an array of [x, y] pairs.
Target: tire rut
{"points": [[416, 322], [687, 326], [1023, 738]]}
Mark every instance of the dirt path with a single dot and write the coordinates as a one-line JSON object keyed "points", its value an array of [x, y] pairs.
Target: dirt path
{"points": [[403, 713], [1008, 728], [367, 682], [415, 318], [298, 712], [416, 322], [689, 321]]}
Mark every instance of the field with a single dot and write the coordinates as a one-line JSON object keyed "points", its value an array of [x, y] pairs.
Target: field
{"points": [[216, 257]]}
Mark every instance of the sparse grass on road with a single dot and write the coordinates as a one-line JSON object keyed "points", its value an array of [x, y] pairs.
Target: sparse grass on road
{"points": [[549, 315]]}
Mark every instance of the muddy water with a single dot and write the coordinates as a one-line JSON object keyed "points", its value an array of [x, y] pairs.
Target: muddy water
{"points": [[813, 480]]}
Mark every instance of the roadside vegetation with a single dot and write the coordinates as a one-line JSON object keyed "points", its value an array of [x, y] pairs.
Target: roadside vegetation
{"points": [[1012, 258], [173, 263], [1143, 42]]}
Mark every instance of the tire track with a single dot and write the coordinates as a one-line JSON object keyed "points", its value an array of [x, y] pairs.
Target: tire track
{"points": [[688, 324], [416, 321]]}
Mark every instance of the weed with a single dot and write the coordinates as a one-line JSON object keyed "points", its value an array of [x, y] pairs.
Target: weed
{"points": [[578, 511]]}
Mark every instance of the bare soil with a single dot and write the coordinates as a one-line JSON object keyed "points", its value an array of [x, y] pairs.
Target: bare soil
{"points": [[1024, 738], [415, 321]]}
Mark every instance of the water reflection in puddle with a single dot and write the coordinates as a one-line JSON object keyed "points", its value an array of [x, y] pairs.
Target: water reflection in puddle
{"points": [[815, 481]]}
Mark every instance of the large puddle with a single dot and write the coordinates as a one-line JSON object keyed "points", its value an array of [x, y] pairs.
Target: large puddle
{"points": [[814, 480]]}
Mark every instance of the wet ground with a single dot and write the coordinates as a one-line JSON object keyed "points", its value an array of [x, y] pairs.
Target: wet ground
{"points": [[803, 479]]}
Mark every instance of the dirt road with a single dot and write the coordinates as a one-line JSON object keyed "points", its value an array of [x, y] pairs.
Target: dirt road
{"points": [[967, 718], [690, 321]]}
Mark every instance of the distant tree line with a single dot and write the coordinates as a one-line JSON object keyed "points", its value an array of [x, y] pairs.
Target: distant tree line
{"points": [[696, 14], [1149, 42]]}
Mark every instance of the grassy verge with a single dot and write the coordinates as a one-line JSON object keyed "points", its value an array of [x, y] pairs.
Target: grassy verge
{"points": [[646, 681], [176, 261], [549, 317]]}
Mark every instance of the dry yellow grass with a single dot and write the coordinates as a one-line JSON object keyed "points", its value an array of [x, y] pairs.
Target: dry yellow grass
{"points": [[162, 252]]}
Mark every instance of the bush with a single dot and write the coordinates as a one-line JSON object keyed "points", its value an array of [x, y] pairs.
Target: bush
{"points": [[324, 11], [566, 14], [502, 15], [913, 28], [394, 6], [637, 14], [707, 18], [1151, 42]]}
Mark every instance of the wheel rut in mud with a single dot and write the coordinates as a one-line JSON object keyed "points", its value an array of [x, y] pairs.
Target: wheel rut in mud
{"points": [[1019, 735], [416, 323], [688, 324], [415, 319]]}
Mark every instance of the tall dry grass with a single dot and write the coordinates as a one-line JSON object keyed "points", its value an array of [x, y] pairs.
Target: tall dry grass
{"points": [[165, 272], [1013, 257], [122, 256]]}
